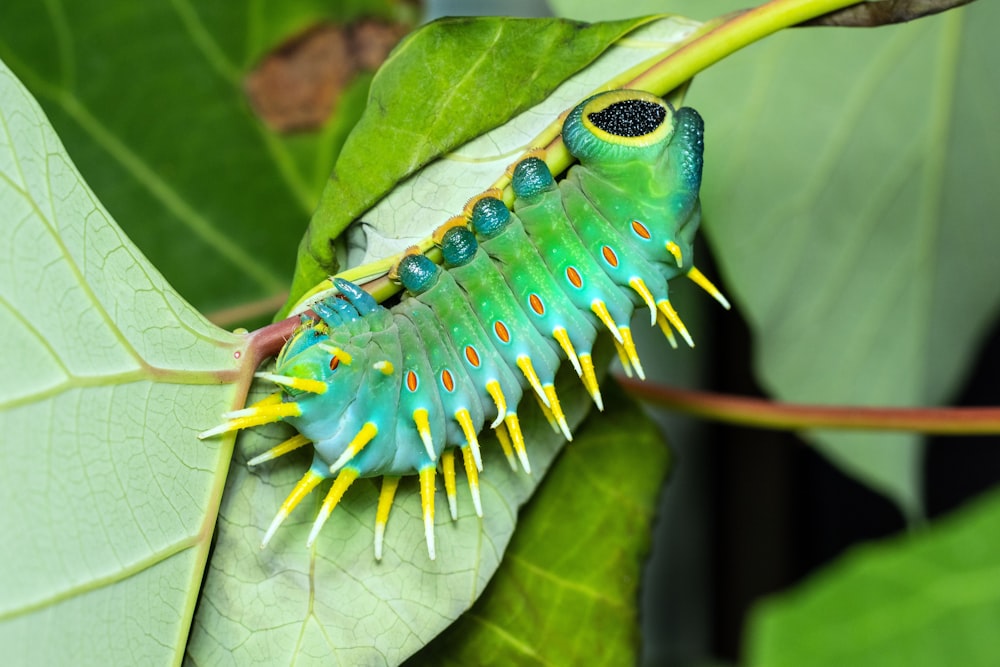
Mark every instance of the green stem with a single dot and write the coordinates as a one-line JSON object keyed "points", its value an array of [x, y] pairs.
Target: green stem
{"points": [[731, 36], [762, 413]]}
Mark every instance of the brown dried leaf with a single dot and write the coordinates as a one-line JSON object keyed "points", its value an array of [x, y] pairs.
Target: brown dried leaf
{"points": [[297, 86], [884, 12]]}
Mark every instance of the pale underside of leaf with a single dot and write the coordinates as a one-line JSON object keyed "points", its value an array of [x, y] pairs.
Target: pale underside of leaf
{"points": [[106, 376]]}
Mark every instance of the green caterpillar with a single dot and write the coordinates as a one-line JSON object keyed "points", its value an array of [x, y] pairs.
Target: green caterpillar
{"points": [[394, 392]]}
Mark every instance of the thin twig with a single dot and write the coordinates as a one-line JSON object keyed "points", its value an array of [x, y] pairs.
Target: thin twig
{"points": [[763, 413]]}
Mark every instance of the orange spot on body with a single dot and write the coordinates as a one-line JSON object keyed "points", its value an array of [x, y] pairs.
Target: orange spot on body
{"points": [[501, 330], [411, 381], [334, 362], [574, 277], [472, 355], [609, 256], [447, 380], [536, 304], [640, 229]]}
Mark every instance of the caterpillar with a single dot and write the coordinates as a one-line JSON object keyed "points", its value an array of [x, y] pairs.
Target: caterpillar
{"points": [[392, 392]]}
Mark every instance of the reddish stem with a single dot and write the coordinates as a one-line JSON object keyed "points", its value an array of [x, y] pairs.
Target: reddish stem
{"points": [[762, 413]]}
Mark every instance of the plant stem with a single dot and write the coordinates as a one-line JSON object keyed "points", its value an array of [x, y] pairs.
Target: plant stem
{"points": [[731, 36], [762, 413]]}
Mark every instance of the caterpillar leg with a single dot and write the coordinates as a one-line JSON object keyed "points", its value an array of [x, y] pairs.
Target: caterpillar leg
{"points": [[524, 363], [562, 337], [675, 250], [546, 395], [496, 393], [362, 438], [601, 310], [290, 445], [427, 505], [631, 354], [472, 475], [583, 364], [344, 479], [639, 285], [557, 411], [699, 279], [623, 358], [301, 384], [302, 489], [667, 331], [472, 442], [675, 319], [422, 421], [385, 497], [590, 380], [517, 440], [547, 413], [508, 449], [450, 487], [266, 411]]}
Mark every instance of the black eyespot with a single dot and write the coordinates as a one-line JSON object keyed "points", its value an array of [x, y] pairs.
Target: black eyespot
{"points": [[629, 118]]}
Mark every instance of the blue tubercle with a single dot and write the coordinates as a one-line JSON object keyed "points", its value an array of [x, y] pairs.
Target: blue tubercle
{"points": [[458, 246], [490, 216], [531, 177], [417, 273]]}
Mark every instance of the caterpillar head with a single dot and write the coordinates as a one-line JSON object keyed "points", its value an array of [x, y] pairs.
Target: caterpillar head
{"points": [[619, 126], [323, 365]]}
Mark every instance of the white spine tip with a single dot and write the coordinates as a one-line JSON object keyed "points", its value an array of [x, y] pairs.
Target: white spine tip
{"points": [[272, 529], [429, 448], [342, 461], [317, 527], [524, 462], [477, 502], [476, 455], [429, 536], [218, 430], [565, 430]]}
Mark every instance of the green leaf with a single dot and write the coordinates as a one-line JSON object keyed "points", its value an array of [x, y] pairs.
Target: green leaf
{"points": [[447, 83], [566, 591], [929, 598], [107, 495], [424, 201], [847, 191], [150, 102]]}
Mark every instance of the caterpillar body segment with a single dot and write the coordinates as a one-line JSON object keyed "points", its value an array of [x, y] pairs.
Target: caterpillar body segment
{"points": [[393, 392]]}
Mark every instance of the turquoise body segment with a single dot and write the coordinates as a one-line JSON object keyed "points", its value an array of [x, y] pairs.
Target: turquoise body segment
{"points": [[513, 336], [395, 392], [582, 280], [449, 378], [534, 287]]}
